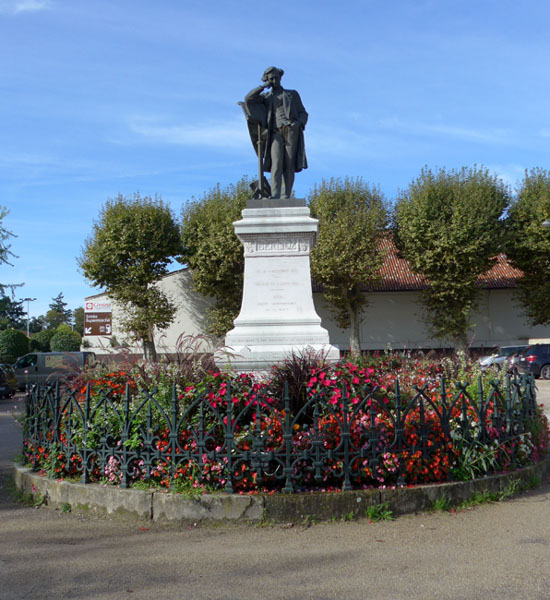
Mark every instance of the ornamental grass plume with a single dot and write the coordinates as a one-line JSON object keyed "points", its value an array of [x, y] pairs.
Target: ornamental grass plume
{"points": [[294, 373]]}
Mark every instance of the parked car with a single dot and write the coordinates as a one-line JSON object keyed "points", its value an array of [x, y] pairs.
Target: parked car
{"points": [[10, 376], [38, 367], [498, 356], [535, 359], [511, 362]]}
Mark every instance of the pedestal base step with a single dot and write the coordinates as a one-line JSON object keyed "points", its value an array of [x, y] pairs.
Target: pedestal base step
{"points": [[262, 358]]}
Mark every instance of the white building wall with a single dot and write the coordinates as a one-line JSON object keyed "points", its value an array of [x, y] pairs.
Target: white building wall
{"points": [[392, 320], [190, 319]]}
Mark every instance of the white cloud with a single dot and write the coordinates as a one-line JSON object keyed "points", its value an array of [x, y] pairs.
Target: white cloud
{"points": [[226, 134], [22, 6]]}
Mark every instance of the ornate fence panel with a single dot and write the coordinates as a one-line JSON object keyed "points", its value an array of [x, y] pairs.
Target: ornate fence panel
{"points": [[345, 440]]}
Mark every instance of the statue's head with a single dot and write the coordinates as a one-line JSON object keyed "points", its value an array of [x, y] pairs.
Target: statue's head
{"points": [[273, 76]]}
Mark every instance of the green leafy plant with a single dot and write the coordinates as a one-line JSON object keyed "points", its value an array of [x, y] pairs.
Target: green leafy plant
{"points": [[473, 458], [479, 498], [533, 483], [33, 498], [187, 488], [65, 341], [442, 504], [379, 512], [351, 516], [349, 252], [528, 244], [449, 227], [130, 249], [512, 489], [214, 253], [40, 341], [13, 344], [356, 400]]}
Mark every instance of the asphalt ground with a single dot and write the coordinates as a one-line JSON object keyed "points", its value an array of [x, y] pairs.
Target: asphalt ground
{"points": [[493, 551]]}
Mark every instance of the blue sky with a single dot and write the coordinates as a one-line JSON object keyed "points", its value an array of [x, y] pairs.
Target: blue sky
{"points": [[100, 98]]}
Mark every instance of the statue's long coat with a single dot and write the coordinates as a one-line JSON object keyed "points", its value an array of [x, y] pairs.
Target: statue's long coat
{"points": [[258, 108]]}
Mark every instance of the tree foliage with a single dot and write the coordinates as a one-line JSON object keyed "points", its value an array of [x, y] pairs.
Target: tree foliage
{"points": [[53, 319], [65, 340], [13, 344], [214, 253], [448, 226], [78, 316], [347, 256], [5, 250], [528, 244], [37, 324], [132, 244], [40, 341], [59, 306], [12, 313]]}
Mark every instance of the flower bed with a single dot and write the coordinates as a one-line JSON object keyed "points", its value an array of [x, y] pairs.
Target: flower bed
{"points": [[385, 421]]}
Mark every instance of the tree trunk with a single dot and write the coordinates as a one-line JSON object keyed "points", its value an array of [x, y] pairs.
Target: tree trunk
{"points": [[149, 350], [355, 331], [461, 344]]}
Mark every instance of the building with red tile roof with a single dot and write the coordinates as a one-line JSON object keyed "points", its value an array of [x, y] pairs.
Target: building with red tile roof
{"points": [[394, 317]]}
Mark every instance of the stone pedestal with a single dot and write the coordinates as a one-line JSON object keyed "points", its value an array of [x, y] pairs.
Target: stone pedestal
{"points": [[277, 314]]}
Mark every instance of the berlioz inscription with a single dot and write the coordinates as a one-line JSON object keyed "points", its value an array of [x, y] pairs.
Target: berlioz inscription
{"points": [[298, 246]]}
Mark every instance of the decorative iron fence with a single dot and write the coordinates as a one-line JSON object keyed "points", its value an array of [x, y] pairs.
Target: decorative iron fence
{"points": [[379, 437]]}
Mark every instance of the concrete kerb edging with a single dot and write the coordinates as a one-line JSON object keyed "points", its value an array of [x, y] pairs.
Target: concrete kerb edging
{"points": [[166, 507]]}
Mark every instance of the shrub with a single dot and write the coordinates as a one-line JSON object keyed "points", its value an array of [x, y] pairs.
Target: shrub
{"points": [[40, 341], [13, 344], [294, 374], [65, 341]]}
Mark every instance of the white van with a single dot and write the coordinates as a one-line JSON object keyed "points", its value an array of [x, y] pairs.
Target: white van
{"points": [[49, 366]]}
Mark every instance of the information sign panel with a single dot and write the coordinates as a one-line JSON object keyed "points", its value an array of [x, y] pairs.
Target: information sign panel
{"points": [[96, 323]]}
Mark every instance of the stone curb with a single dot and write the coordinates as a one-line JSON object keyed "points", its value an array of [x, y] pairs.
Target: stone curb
{"points": [[166, 507]]}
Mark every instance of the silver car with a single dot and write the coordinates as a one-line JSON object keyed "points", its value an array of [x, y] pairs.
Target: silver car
{"points": [[498, 356]]}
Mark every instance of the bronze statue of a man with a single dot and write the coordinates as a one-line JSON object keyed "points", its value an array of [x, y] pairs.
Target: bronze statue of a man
{"points": [[276, 121]]}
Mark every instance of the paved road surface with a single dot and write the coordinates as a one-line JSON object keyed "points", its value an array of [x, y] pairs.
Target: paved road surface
{"points": [[498, 551]]}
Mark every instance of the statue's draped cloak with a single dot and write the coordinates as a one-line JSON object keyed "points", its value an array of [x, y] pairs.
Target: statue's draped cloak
{"points": [[258, 109]]}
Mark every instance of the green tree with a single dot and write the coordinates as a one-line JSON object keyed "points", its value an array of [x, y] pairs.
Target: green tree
{"points": [[5, 250], [65, 340], [528, 244], [37, 324], [59, 306], [12, 313], [13, 344], [214, 253], [448, 226], [131, 246], [78, 316], [347, 256], [40, 340], [54, 318]]}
